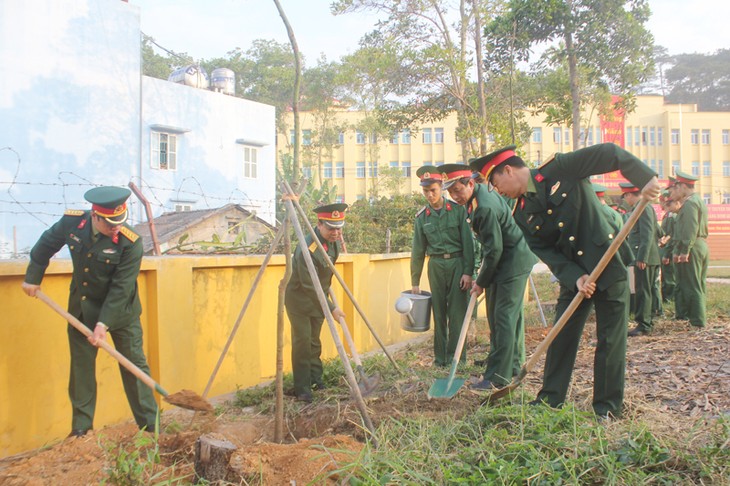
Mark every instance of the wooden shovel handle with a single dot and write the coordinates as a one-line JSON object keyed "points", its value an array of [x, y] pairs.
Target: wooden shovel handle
{"points": [[134, 369]]}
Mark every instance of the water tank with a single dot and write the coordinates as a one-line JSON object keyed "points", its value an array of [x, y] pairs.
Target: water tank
{"points": [[223, 80], [192, 75]]}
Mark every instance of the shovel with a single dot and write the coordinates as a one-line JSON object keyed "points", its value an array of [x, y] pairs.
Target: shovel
{"points": [[366, 384], [183, 399], [568, 313], [447, 387]]}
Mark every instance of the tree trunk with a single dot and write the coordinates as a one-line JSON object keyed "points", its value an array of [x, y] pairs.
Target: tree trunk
{"points": [[212, 457], [480, 77], [574, 86]]}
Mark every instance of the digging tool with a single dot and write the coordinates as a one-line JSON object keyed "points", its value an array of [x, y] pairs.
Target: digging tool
{"points": [[545, 344], [183, 399], [367, 384], [447, 387], [537, 300]]}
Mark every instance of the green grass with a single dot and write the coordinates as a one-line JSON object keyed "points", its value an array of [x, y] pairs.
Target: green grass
{"points": [[719, 272]]}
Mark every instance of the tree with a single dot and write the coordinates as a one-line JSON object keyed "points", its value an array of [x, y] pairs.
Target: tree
{"points": [[602, 42], [701, 78], [159, 66], [368, 224]]}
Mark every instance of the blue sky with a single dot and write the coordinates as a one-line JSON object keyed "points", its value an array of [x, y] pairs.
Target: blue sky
{"points": [[206, 29]]}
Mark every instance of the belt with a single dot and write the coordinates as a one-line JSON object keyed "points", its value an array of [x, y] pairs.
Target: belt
{"points": [[447, 256]]}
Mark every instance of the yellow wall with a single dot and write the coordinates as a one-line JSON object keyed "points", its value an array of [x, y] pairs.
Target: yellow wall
{"points": [[190, 305]]}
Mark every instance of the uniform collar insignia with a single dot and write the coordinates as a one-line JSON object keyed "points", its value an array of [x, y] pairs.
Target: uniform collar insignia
{"points": [[539, 177], [555, 188], [82, 224], [115, 239]]}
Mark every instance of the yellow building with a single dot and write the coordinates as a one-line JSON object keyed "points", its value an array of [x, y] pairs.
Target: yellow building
{"points": [[667, 137]]}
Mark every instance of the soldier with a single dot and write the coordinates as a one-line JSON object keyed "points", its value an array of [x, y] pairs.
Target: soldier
{"points": [[302, 306], [442, 233], [506, 266], [690, 253], [106, 256], [666, 244], [614, 217], [644, 243], [564, 225]]}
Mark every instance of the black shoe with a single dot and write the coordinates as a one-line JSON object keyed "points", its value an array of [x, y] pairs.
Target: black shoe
{"points": [[304, 397], [78, 432], [484, 385], [638, 331], [480, 362], [319, 386]]}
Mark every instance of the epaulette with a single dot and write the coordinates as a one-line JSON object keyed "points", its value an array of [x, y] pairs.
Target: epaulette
{"points": [[74, 212], [131, 235], [312, 246], [420, 211], [550, 159], [474, 204]]}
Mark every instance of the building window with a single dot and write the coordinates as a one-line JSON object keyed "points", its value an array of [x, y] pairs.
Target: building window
{"points": [[340, 199], [643, 136], [652, 165], [675, 136], [566, 139], [426, 135], [652, 136], [306, 137], [706, 137], [437, 164], [438, 134], [372, 169], [726, 198], [164, 151], [179, 207], [675, 167], [394, 138], [537, 134], [637, 136], [589, 141], [406, 136], [373, 138], [660, 169], [327, 172], [341, 138], [340, 170], [360, 170], [726, 168], [490, 137], [695, 168], [629, 138], [250, 162], [307, 172], [359, 138], [660, 136], [406, 169], [598, 135], [707, 198], [726, 137], [694, 137], [706, 168], [234, 227], [393, 164], [556, 134], [291, 137]]}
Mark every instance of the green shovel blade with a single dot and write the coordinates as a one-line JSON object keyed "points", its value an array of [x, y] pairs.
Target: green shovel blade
{"points": [[445, 387]]}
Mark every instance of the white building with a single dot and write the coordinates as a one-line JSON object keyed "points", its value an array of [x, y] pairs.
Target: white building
{"points": [[75, 112]]}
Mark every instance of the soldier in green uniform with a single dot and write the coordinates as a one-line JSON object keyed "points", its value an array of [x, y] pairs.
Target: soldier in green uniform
{"points": [[690, 253], [644, 243], [506, 266], [442, 233], [614, 217], [666, 244], [302, 306], [564, 225], [106, 256]]}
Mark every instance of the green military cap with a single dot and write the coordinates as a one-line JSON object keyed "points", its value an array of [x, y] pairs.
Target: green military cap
{"points": [[453, 172], [109, 202], [599, 189], [333, 215], [429, 174], [627, 187], [672, 181], [486, 164], [685, 178]]}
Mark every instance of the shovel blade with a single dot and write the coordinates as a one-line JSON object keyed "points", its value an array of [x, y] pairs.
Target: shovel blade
{"points": [[441, 388]]}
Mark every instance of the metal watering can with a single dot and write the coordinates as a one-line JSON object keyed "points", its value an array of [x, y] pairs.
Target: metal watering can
{"points": [[415, 310]]}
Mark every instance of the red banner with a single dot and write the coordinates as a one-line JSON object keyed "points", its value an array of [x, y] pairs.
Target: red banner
{"points": [[612, 124]]}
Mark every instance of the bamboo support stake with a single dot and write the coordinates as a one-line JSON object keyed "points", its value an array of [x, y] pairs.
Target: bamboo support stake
{"points": [[279, 415]]}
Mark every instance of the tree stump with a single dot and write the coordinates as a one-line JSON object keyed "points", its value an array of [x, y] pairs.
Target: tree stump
{"points": [[212, 457]]}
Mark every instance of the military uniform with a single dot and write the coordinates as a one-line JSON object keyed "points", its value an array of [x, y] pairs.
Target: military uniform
{"points": [[444, 236], [103, 290], [668, 269], [302, 305], [566, 228], [505, 268], [690, 238]]}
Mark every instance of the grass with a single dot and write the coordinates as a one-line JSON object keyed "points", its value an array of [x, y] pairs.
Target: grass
{"points": [[719, 272]]}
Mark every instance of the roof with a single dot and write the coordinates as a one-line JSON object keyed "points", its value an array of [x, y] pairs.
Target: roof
{"points": [[174, 224]]}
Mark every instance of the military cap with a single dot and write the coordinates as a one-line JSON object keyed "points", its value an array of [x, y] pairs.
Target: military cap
{"points": [[671, 183], [685, 178], [333, 215], [627, 188], [109, 202], [453, 172], [429, 174], [486, 164], [599, 189]]}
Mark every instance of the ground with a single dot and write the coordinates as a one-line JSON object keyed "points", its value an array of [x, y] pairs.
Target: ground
{"points": [[675, 373]]}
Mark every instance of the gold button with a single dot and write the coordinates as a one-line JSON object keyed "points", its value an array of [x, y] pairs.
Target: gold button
{"points": [[580, 252], [88, 255], [572, 238], [550, 211], [565, 195], [610, 235], [83, 297], [560, 224], [85, 284], [71, 247], [107, 260], [537, 227], [86, 269]]}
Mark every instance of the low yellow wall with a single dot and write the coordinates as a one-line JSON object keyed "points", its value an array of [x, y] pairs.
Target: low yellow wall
{"points": [[190, 305]]}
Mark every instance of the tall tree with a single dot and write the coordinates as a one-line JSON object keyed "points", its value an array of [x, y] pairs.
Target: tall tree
{"points": [[600, 41], [701, 78]]}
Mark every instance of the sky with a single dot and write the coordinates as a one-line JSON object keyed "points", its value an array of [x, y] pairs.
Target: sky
{"points": [[211, 28]]}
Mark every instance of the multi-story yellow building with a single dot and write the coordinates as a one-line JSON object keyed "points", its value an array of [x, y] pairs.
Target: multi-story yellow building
{"points": [[667, 137]]}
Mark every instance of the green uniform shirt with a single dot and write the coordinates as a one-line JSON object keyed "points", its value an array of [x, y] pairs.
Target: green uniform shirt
{"points": [[644, 238], [562, 219], [104, 281], [300, 296], [668, 224], [691, 224], [504, 251], [440, 232]]}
